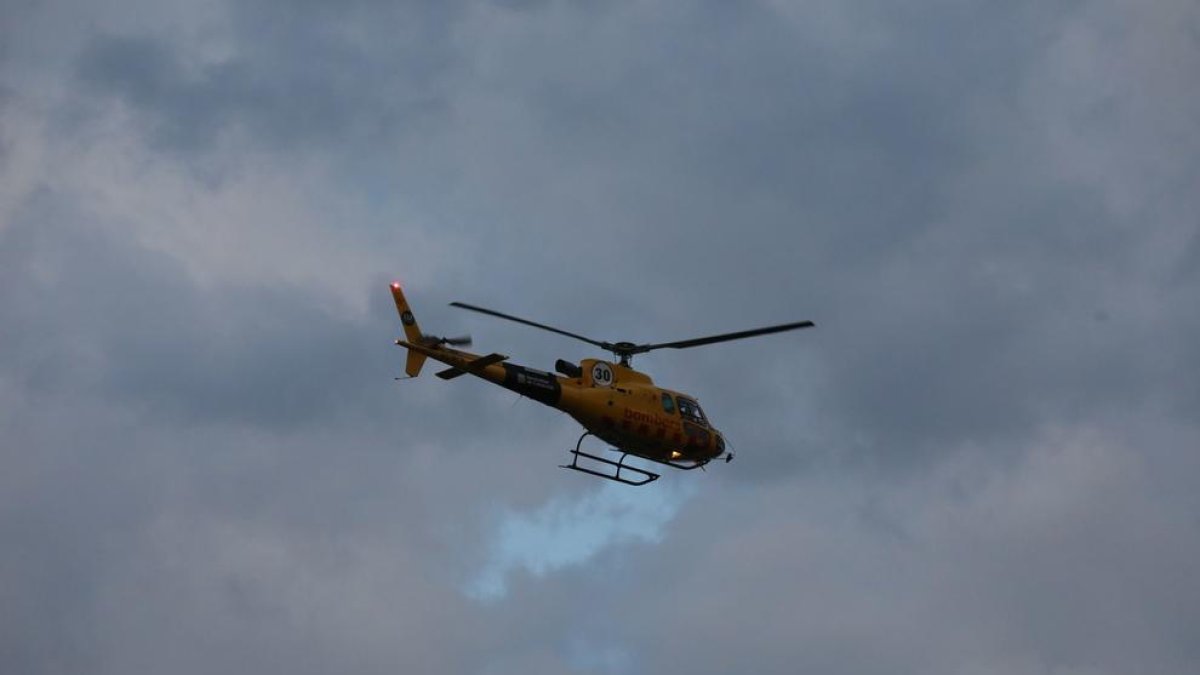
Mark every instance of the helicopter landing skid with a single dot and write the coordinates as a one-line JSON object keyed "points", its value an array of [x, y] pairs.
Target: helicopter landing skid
{"points": [[640, 475]]}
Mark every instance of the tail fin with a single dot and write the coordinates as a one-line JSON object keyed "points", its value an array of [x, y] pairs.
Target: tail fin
{"points": [[412, 332]]}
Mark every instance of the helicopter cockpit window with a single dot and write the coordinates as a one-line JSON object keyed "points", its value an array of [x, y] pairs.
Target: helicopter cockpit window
{"points": [[691, 410], [668, 404]]}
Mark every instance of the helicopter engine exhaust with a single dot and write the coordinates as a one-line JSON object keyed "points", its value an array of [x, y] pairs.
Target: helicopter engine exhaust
{"points": [[567, 368]]}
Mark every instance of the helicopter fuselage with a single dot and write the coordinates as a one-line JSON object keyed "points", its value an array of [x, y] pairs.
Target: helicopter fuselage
{"points": [[616, 403]]}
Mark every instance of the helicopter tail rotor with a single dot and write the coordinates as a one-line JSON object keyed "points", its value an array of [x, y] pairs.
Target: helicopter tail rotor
{"points": [[436, 341]]}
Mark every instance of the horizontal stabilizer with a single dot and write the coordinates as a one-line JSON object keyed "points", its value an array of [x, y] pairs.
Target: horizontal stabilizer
{"points": [[474, 366]]}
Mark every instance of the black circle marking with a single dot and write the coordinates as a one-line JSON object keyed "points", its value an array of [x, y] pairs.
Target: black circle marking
{"points": [[406, 318], [602, 375]]}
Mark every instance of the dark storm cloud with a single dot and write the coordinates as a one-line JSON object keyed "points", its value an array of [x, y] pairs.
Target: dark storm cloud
{"points": [[161, 465], [302, 78], [103, 314], [980, 461], [1030, 586], [735, 166]]}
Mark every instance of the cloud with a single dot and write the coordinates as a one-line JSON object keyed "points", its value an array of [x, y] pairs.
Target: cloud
{"points": [[323, 81], [979, 461], [570, 531], [141, 330], [981, 565]]}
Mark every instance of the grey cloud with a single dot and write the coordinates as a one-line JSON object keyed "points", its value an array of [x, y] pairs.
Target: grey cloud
{"points": [[1027, 569], [125, 321], [295, 83], [147, 74], [980, 459]]}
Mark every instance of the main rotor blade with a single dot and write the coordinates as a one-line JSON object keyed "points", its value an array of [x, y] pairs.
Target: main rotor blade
{"points": [[527, 322], [724, 337]]}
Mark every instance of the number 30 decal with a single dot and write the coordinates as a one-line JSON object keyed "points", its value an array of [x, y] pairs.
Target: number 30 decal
{"points": [[602, 375]]}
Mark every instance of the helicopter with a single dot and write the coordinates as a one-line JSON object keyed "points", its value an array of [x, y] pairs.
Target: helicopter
{"points": [[612, 401]]}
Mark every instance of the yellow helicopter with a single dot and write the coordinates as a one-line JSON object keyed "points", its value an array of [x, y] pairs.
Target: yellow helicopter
{"points": [[612, 401]]}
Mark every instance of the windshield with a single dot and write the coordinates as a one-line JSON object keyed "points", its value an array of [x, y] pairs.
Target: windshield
{"points": [[690, 409]]}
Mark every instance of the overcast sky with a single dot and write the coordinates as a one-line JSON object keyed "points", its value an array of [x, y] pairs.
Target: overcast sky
{"points": [[984, 460]]}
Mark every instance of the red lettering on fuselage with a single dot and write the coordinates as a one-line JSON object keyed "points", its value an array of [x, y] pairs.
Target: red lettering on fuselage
{"points": [[648, 419]]}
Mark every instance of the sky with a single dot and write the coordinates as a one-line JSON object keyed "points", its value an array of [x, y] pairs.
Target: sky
{"points": [[985, 459]]}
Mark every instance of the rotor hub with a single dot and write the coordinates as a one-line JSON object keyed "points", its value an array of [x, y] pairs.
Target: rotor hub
{"points": [[623, 351]]}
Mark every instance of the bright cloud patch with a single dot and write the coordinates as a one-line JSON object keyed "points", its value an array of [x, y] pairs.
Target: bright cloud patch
{"points": [[570, 530]]}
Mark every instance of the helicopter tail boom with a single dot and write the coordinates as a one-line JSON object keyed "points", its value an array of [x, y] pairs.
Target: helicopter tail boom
{"points": [[412, 332]]}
